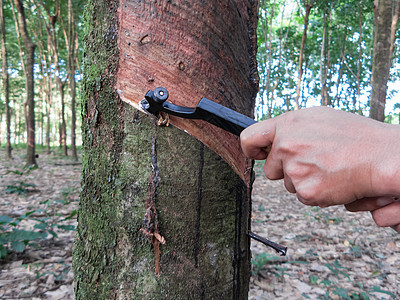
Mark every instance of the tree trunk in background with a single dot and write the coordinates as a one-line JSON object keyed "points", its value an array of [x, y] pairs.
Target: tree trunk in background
{"points": [[70, 39], [381, 58], [307, 6], [48, 105], [360, 52], [268, 60], [63, 125], [5, 81], [30, 103], [53, 41], [395, 22], [143, 183], [323, 64]]}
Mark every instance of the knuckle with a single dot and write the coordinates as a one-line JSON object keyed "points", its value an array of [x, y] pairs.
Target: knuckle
{"points": [[310, 196], [294, 171]]}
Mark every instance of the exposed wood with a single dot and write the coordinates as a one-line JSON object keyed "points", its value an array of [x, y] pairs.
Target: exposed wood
{"points": [[190, 53]]}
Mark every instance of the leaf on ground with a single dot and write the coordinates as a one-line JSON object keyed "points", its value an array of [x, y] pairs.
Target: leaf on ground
{"points": [[18, 246], [379, 290]]}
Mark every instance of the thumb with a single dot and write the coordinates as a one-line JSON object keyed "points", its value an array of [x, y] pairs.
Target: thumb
{"points": [[257, 139]]}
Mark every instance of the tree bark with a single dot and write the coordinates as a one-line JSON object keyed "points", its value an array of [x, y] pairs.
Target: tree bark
{"points": [[52, 32], [322, 62], [144, 184], [381, 58], [70, 40], [5, 81], [395, 22], [30, 103], [360, 53]]}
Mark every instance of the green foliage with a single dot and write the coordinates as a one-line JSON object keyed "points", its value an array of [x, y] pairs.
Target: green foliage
{"points": [[260, 260], [19, 188], [346, 56], [16, 239], [357, 292], [38, 25], [379, 290], [13, 237]]}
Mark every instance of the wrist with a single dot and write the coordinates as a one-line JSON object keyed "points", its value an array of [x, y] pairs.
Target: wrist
{"points": [[387, 179]]}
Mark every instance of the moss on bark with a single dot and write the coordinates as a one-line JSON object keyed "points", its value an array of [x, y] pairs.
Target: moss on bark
{"points": [[200, 203]]}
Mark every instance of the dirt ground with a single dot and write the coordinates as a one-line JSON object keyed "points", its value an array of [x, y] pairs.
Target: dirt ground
{"points": [[43, 270], [332, 254]]}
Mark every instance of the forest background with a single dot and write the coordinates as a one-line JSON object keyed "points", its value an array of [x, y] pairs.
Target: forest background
{"points": [[309, 53]]}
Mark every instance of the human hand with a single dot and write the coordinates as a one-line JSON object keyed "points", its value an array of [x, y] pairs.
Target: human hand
{"points": [[384, 210], [327, 157]]}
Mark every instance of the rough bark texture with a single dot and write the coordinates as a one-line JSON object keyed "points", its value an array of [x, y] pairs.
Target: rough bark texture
{"points": [[30, 103], [381, 58], [143, 184]]}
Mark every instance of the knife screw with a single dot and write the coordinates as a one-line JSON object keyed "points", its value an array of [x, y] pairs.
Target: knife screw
{"points": [[160, 95]]}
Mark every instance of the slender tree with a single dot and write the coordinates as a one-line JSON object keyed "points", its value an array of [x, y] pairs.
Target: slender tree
{"points": [[395, 22], [6, 86], [70, 37], [381, 58], [53, 18], [30, 101], [308, 4]]}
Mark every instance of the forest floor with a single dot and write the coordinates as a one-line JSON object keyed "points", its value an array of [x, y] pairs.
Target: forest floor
{"points": [[332, 254]]}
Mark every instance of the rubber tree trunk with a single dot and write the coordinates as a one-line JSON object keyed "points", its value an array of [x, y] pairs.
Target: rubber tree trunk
{"points": [[70, 40], [161, 216], [30, 102], [381, 58], [6, 86], [307, 7]]}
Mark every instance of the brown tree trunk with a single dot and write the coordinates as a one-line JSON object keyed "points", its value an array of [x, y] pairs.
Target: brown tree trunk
{"points": [[322, 67], [70, 39], [144, 184], [5, 81], [48, 105], [268, 60], [360, 52], [53, 42], [381, 58], [30, 103], [395, 22], [307, 6], [63, 126]]}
